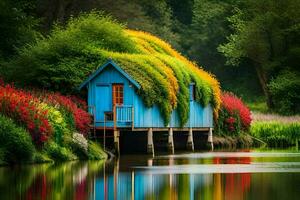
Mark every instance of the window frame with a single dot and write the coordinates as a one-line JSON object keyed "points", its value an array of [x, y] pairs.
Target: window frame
{"points": [[118, 93]]}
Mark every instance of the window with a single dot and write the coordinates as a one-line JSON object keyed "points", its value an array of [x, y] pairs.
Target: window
{"points": [[192, 92], [118, 94]]}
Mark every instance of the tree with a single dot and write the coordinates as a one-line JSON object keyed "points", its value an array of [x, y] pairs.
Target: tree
{"points": [[136, 14], [264, 33], [17, 26], [208, 30]]}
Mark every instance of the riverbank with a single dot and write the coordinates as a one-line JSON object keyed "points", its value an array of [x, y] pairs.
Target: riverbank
{"points": [[267, 129], [276, 130], [56, 154], [38, 126]]}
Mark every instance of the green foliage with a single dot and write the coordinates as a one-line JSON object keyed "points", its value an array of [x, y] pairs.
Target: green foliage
{"points": [[259, 105], [57, 122], [2, 157], [95, 152], [209, 28], [58, 153], [16, 144], [63, 59], [41, 157], [17, 27], [285, 90], [223, 127], [276, 134], [264, 34]]}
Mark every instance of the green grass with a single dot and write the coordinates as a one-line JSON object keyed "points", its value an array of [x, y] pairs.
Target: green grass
{"points": [[276, 134], [95, 151]]}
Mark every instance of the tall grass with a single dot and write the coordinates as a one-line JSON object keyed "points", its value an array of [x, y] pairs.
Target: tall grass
{"points": [[277, 134]]}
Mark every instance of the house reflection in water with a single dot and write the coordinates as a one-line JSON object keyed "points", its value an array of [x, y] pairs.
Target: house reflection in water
{"points": [[166, 178], [143, 184]]}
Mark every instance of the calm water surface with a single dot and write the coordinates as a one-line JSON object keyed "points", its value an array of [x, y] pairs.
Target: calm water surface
{"points": [[210, 175]]}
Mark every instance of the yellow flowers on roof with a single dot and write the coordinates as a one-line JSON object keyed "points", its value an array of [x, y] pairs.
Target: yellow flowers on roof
{"points": [[165, 75]]}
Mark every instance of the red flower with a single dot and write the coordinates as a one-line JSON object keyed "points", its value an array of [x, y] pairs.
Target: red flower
{"points": [[230, 120], [73, 105], [22, 107], [43, 138], [233, 104]]}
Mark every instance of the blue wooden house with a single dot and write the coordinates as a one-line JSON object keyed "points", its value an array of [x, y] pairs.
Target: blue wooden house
{"points": [[115, 104]]}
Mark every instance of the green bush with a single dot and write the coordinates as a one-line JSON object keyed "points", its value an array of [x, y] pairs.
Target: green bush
{"points": [[95, 152], [57, 122], [66, 57], [285, 91], [15, 142], [58, 153]]}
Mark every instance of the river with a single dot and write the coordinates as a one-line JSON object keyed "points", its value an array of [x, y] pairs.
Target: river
{"points": [[205, 175]]}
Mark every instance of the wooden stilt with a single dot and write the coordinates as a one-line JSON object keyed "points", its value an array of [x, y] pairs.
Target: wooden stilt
{"points": [[150, 145], [170, 141], [132, 185], [210, 139], [190, 140], [116, 142]]}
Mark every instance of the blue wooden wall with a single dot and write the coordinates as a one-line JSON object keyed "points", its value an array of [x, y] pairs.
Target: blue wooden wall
{"points": [[100, 96]]}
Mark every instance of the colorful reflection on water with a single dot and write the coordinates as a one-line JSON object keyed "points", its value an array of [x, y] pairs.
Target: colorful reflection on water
{"points": [[212, 175]]}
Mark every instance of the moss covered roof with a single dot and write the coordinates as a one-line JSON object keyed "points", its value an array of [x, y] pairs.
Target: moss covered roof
{"points": [[165, 75]]}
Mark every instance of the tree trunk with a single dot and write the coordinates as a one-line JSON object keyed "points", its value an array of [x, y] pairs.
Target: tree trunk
{"points": [[263, 82]]}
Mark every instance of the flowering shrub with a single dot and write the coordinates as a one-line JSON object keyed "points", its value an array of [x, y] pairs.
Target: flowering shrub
{"points": [[43, 114], [80, 141], [23, 108], [78, 118], [56, 120], [234, 115]]}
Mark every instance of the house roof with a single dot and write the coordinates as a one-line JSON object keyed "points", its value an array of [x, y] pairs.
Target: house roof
{"points": [[101, 68]]}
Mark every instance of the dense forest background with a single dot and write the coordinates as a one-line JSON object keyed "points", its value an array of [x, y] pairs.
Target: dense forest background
{"points": [[253, 47]]}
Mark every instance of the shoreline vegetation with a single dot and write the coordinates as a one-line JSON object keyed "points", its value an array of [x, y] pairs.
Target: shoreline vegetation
{"points": [[276, 130], [41, 126], [268, 130]]}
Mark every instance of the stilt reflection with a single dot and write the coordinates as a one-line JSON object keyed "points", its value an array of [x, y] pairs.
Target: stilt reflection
{"points": [[142, 178]]}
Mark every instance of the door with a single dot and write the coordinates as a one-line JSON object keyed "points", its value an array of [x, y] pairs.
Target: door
{"points": [[103, 101], [118, 94]]}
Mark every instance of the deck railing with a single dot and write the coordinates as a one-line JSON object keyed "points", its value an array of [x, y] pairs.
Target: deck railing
{"points": [[124, 113]]}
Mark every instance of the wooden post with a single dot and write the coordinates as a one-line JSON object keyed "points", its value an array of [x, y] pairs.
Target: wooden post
{"points": [[132, 118], [210, 139], [115, 117], [132, 185], [150, 145], [170, 141], [116, 142], [190, 140]]}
